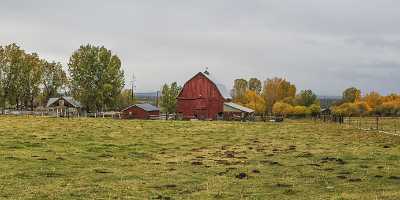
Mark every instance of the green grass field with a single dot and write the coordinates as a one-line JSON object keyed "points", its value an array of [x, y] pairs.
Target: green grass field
{"points": [[53, 158]]}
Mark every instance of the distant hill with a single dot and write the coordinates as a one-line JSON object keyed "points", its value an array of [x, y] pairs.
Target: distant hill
{"points": [[147, 94], [147, 97], [328, 101]]}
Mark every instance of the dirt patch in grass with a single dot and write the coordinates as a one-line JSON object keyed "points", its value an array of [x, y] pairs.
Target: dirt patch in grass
{"points": [[305, 155], [355, 179], [102, 171], [242, 175], [197, 163], [283, 185], [394, 177], [271, 162], [331, 159]]}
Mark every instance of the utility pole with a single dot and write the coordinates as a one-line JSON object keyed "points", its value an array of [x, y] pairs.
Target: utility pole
{"points": [[157, 99], [133, 86]]}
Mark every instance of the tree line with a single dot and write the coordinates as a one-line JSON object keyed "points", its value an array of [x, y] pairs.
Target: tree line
{"points": [[353, 103], [278, 96], [93, 76], [274, 96]]}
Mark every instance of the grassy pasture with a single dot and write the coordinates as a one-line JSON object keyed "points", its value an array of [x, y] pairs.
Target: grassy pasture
{"points": [[53, 158]]}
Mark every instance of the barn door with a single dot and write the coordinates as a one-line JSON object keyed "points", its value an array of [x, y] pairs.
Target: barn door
{"points": [[200, 114]]}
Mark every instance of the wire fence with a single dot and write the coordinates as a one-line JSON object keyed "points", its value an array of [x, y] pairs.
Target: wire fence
{"points": [[389, 125]]}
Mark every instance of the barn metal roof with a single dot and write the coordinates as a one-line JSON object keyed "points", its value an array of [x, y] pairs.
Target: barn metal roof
{"points": [[51, 101], [70, 100], [221, 87], [239, 107], [145, 106]]}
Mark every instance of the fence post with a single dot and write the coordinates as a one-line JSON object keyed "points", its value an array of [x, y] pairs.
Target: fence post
{"points": [[377, 123]]}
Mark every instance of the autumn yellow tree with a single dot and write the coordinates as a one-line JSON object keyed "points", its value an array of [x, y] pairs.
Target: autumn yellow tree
{"points": [[240, 87], [282, 109], [346, 109], [391, 97], [300, 111], [254, 101], [373, 100], [352, 109], [275, 90], [389, 108], [314, 109], [362, 108]]}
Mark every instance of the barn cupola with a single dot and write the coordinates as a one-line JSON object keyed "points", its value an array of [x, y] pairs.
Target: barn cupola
{"points": [[206, 71]]}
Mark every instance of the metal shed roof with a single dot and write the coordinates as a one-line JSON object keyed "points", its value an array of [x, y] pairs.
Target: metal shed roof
{"points": [[70, 100], [145, 106], [51, 101], [238, 107]]}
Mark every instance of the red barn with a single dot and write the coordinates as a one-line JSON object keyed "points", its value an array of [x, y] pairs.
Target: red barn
{"points": [[202, 97], [141, 111]]}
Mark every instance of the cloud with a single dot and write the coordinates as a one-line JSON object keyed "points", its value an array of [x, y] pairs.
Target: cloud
{"points": [[322, 45]]}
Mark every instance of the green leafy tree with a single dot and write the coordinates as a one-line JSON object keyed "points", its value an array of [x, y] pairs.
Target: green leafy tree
{"points": [[306, 98], [30, 79], [255, 85], [54, 79], [11, 66], [125, 99], [96, 77], [2, 84], [169, 94], [351, 95]]}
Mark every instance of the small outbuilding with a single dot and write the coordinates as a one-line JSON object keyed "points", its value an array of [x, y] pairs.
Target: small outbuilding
{"points": [[325, 114], [326, 111], [141, 111], [233, 111], [64, 106]]}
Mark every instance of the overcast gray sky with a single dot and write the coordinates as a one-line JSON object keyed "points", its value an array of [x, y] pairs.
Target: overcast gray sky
{"points": [[324, 45]]}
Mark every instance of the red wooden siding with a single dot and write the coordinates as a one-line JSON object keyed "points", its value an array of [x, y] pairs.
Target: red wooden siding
{"points": [[138, 113], [200, 98]]}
